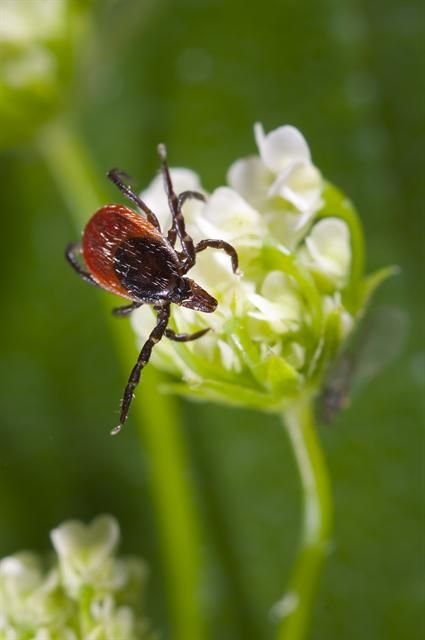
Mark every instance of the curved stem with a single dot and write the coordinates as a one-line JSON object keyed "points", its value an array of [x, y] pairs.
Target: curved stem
{"points": [[296, 606], [156, 414]]}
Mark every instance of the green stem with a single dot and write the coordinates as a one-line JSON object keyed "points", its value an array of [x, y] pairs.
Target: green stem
{"points": [[156, 414], [296, 606]]}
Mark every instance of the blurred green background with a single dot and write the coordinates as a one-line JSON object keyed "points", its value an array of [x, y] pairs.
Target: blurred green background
{"points": [[197, 74]]}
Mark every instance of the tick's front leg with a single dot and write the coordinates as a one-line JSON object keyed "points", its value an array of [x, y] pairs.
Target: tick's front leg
{"points": [[220, 244], [116, 176]]}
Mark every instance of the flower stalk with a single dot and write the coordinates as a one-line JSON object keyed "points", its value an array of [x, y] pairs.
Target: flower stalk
{"points": [[295, 608]]}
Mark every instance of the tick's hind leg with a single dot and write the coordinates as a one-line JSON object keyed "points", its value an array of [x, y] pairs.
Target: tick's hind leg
{"points": [[116, 176], [185, 337], [71, 256], [144, 356], [220, 244]]}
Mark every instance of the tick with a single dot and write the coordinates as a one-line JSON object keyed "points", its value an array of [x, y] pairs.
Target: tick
{"points": [[126, 253]]}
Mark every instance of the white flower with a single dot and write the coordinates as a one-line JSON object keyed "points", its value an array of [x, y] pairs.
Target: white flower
{"points": [[229, 217], [284, 169], [271, 301], [38, 43], [279, 304], [21, 22], [282, 182], [90, 596], [327, 251], [86, 553], [282, 317], [29, 596], [111, 622]]}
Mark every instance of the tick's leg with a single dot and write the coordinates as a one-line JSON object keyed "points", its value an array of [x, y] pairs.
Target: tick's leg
{"points": [[127, 309], [220, 244], [71, 256], [178, 225], [185, 337], [181, 198], [142, 360], [116, 176], [186, 195]]}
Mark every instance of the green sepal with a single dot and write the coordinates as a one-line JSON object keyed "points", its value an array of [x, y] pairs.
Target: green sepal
{"points": [[272, 372], [374, 280], [229, 394], [328, 347], [205, 370], [279, 376]]}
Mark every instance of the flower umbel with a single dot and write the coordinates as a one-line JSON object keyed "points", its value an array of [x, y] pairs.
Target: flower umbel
{"points": [[279, 325], [88, 594]]}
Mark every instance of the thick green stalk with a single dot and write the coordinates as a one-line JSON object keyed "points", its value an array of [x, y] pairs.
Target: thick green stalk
{"points": [[296, 606], [156, 414]]}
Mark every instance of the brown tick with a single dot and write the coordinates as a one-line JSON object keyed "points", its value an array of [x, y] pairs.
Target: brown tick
{"points": [[126, 253]]}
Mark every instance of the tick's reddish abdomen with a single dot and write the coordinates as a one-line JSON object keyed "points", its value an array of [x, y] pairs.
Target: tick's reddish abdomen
{"points": [[127, 255]]}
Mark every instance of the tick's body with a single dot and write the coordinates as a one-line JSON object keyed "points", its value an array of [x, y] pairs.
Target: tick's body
{"points": [[127, 254]]}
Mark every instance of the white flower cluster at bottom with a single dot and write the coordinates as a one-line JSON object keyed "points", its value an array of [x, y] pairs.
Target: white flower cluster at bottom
{"points": [[88, 594]]}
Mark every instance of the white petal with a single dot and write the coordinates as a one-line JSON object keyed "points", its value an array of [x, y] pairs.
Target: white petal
{"points": [[328, 249], [281, 147], [251, 178], [279, 303], [228, 357], [286, 225], [301, 185], [143, 321], [21, 572], [275, 285], [334, 302], [22, 22], [229, 217], [272, 314], [100, 537]]}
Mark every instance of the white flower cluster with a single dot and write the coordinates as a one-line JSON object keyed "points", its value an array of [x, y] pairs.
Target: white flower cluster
{"points": [[270, 325], [38, 39], [87, 595]]}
